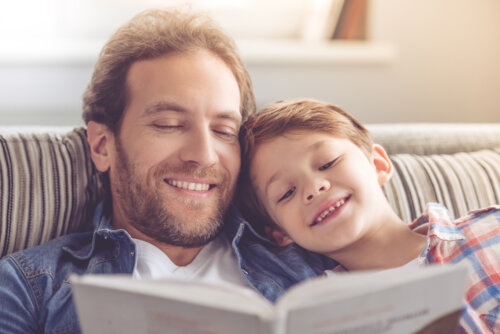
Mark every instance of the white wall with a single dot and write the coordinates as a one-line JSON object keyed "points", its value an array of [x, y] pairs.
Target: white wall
{"points": [[447, 66], [446, 69]]}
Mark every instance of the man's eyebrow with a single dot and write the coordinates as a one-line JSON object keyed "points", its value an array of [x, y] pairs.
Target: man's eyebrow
{"points": [[230, 115], [163, 106]]}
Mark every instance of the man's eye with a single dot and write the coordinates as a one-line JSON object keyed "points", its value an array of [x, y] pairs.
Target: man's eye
{"points": [[287, 194], [167, 126], [227, 133]]}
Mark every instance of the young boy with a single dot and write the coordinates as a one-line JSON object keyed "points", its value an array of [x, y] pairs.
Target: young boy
{"points": [[312, 175]]}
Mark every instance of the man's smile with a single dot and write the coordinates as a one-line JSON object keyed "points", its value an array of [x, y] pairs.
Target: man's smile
{"points": [[190, 185]]}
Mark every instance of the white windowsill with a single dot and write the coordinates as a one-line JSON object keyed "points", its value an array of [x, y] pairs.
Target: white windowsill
{"points": [[296, 52], [254, 52]]}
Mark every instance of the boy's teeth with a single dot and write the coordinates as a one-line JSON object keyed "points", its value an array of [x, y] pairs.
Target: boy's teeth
{"points": [[329, 210], [189, 185]]}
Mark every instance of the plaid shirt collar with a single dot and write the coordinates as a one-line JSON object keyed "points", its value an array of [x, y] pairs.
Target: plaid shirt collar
{"points": [[437, 223]]}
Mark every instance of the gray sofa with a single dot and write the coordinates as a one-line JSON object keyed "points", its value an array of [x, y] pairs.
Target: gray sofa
{"points": [[48, 186]]}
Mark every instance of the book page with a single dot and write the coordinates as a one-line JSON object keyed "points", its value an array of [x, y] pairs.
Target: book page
{"points": [[158, 306], [383, 302]]}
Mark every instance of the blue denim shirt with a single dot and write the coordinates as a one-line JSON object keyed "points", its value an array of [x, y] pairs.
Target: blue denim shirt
{"points": [[35, 295]]}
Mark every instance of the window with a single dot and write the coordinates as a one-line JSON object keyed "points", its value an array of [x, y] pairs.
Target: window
{"points": [[97, 19]]}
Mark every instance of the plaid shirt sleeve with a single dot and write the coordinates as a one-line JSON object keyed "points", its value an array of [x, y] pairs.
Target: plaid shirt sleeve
{"points": [[475, 241]]}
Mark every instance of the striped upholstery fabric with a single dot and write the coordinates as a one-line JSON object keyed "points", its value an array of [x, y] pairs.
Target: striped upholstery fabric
{"points": [[455, 164], [460, 181], [47, 186]]}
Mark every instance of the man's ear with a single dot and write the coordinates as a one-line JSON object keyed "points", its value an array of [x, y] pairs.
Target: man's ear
{"points": [[278, 235], [100, 139], [382, 163]]}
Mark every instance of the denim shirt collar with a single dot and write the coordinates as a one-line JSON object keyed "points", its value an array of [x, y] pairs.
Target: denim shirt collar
{"points": [[101, 222], [103, 230], [235, 226]]}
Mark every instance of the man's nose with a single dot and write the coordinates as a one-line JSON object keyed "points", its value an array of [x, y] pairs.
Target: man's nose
{"points": [[199, 148], [315, 187]]}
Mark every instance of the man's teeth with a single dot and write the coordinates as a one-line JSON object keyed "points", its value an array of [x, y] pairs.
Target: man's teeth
{"points": [[189, 185], [329, 210]]}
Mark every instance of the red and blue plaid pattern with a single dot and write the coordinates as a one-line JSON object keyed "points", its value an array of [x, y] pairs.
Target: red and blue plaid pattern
{"points": [[475, 241]]}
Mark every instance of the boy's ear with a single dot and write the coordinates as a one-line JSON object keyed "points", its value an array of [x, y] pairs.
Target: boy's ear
{"points": [[382, 163], [278, 235], [100, 139]]}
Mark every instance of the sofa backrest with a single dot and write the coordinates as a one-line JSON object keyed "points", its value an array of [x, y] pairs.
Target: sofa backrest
{"points": [[49, 187], [457, 165]]}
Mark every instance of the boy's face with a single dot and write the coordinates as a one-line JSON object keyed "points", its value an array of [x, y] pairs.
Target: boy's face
{"points": [[323, 191]]}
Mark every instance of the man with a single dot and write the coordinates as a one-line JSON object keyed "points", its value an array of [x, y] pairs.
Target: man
{"points": [[163, 111]]}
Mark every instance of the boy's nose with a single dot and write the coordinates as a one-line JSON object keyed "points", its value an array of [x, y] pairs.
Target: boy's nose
{"points": [[317, 187]]}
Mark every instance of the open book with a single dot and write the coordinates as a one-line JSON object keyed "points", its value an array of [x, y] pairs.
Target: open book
{"points": [[426, 300]]}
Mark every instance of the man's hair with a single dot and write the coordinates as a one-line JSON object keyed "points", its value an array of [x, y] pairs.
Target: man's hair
{"points": [[304, 115], [152, 34]]}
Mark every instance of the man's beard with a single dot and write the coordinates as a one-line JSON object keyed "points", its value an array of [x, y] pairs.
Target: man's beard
{"points": [[146, 210]]}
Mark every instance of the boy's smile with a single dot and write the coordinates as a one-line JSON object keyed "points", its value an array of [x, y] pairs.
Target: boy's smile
{"points": [[331, 211]]}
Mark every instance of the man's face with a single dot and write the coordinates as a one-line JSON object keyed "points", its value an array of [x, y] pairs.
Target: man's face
{"points": [[177, 156]]}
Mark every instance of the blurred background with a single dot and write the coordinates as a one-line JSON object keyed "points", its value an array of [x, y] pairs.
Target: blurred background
{"points": [[385, 61]]}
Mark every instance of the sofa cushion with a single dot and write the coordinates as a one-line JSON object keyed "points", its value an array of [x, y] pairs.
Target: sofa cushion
{"points": [[48, 186]]}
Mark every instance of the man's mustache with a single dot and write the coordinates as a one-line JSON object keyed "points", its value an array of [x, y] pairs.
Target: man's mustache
{"points": [[191, 169]]}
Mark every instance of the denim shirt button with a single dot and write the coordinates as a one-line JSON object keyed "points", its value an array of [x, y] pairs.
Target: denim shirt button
{"points": [[244, 271], [132, 253]]}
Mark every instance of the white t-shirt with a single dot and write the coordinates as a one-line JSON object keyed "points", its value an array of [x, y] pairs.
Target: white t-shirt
{"points": [[412, 264], [215, 263]]}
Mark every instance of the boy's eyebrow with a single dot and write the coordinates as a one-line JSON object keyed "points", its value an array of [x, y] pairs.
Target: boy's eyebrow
{"points": [[277, 175], [317, 145], [273, 179]]}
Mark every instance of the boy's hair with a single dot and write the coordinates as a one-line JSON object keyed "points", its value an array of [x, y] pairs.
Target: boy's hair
{"points": [[152, 34], [303, 115]]}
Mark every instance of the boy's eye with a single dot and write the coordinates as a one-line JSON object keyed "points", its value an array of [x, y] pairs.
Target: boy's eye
{"points": [[287, 194], [328, 164]]}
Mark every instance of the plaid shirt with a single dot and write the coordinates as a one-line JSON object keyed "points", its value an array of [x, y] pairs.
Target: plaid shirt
{"points": [[475, 241]]}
